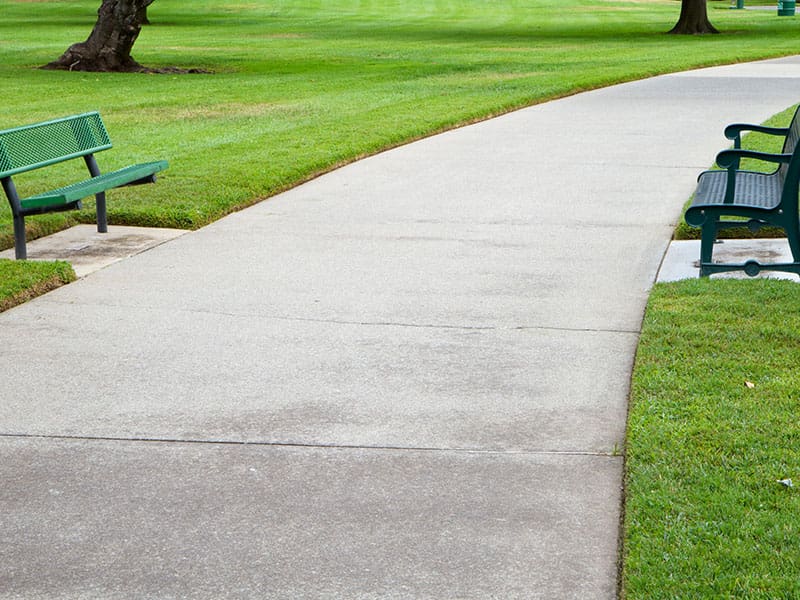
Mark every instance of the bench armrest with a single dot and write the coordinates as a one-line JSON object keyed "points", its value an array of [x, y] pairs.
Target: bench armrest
{"points": [[729, 159], [734, 131]]}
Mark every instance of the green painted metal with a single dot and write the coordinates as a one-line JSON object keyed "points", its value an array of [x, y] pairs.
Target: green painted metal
{"points": [[43, 144], [95, 185], [50, 142], [786, 8], [761, 199]]}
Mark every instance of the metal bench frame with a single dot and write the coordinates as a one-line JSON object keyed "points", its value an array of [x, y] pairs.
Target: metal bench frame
{"points": [[43, 144], [762, 199]]}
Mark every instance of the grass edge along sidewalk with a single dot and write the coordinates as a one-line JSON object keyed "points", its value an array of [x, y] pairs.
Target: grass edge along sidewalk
{"points": [[713, 443], [21, 281]]}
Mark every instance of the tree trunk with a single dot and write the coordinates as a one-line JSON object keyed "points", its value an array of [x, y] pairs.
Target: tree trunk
{"points": [[108, 47], [693, 19]]}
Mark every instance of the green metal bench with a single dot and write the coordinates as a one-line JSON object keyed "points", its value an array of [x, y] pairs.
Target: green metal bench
{"points": [[43, 144], [761, 199]]}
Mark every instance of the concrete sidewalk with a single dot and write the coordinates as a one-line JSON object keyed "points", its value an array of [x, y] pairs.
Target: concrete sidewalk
{"points": [[405, 379]]}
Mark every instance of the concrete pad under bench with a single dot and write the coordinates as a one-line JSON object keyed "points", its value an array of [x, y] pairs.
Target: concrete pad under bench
{"points": [[683, 256], [89, 251]]}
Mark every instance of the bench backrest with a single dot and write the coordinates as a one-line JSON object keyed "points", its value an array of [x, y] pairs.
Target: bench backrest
{"points": [[794, 133], [790, 172], [790, 143], [41, 144]]}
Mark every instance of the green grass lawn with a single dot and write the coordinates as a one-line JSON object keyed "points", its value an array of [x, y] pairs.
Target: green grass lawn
{"points": [[712, 429], [22, 280]]}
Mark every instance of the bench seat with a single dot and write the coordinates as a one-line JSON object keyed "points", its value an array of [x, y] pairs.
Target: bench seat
{"points": [[751, 189], [141, 173]]}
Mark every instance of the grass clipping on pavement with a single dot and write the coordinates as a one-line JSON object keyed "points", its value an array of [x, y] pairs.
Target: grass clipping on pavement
{"points": [[713, 443]]}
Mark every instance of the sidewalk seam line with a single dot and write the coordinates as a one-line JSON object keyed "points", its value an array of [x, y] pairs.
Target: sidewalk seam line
{"points": [[212, 442], [391, 323]]}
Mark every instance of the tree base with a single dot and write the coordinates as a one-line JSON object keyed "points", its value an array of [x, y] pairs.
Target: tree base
{"points": [[77, 59], [80, 57], [693, 29], [89, 68], [693, 19]]}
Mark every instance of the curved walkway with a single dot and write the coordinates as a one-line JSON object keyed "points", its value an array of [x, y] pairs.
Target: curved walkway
{"points": [[405, 379]]}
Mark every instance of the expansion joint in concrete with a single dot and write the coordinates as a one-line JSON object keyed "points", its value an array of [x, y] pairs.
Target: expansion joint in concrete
{"points": [[222, 442]]}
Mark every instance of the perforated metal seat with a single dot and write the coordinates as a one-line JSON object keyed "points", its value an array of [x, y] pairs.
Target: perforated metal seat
{"points": [[95, 185], [758, 190]]}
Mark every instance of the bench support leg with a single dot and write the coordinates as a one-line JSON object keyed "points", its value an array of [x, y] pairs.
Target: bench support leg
{"points": [[708, 237], [20, 248], [794, 244], [100, 199], [102, 219]]}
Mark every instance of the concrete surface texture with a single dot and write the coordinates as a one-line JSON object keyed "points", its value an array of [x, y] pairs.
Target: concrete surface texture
{"points": [[405, 379]]}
